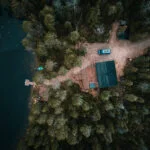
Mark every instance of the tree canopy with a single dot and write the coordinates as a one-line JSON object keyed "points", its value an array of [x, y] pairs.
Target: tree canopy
{"points": [[118, 118]]}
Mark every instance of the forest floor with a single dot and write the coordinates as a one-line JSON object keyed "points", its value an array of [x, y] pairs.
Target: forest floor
{"points": [[121, 52]]}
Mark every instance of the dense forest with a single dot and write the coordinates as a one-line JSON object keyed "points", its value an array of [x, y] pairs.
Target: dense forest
{"points": [[119, 117]]}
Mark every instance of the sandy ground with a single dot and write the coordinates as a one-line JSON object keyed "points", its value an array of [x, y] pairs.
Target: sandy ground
{"points": [[121, 50]]}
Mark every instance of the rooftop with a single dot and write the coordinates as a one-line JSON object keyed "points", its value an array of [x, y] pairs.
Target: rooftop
{"points": [[106, 74]]}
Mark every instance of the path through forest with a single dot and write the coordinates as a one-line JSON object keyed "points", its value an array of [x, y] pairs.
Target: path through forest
{"points": [[121, 51]]}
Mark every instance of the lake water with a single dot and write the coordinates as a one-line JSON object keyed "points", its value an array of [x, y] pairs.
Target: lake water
{"points": [[16, 65]]}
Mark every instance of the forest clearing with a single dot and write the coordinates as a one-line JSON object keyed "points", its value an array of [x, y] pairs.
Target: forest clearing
{"points": [[92, 74], [122, 51]]}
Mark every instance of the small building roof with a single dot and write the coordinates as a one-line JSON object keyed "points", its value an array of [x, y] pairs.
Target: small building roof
{"points": [[92, 85], [106, 74]]}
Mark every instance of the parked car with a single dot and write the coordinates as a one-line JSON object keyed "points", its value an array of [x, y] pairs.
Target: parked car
{"points": [[104, 51]]}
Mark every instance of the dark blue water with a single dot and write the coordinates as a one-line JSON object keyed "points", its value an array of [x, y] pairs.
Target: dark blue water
{"points": [[15, 66]]}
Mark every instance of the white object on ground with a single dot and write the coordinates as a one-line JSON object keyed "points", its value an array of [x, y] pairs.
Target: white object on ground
{"points": [[28, 82]]}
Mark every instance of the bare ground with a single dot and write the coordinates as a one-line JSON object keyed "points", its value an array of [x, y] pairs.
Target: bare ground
{"points": [[121, 50]]}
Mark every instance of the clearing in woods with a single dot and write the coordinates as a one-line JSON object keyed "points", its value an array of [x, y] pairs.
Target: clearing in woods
{"points": [[121, 51]]}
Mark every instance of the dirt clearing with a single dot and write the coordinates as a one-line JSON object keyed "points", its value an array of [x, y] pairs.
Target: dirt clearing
{"points": [[121, 51]]}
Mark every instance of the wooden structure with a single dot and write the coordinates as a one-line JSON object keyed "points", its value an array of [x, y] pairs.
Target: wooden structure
{"points": [[28, 82], [85, 77]]}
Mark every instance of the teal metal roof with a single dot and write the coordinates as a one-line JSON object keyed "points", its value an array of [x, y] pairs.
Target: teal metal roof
{"points": [[106, 74]]}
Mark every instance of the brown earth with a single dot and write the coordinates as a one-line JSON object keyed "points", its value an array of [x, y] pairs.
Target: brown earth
{"points": [[121, 51]]}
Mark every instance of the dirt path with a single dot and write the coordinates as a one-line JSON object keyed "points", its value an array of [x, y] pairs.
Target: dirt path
{"points": [[121, 50]]}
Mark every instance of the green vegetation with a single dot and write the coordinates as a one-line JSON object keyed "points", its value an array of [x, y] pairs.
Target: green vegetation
{"points": [[137, 12], [92, 19], [118, 118], [56, 54]]}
